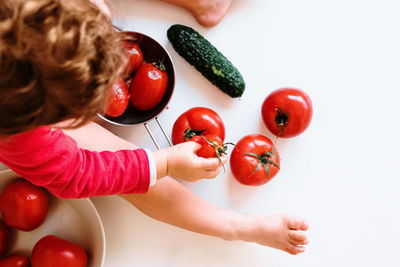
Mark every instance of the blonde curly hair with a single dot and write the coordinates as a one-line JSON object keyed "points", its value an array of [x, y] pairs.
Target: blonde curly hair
{"points": [[58, 59]]}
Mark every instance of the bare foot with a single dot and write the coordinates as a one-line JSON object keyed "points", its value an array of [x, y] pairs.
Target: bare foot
{"points": [[210, 12], [282, 232], [207, 12]]}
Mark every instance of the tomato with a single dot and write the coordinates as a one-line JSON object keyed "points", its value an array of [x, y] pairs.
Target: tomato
{"points": [[148, 86], [119, 99], [287, 112], [5, 235], [211, 145], [23, 205], [135, 56], [51, 251], [16, 260], [196, 121], [254, 160]]}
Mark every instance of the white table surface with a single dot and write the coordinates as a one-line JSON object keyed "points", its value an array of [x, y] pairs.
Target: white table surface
{"points": [[341, 174]]}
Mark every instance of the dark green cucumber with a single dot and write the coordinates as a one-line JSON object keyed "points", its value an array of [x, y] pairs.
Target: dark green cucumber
{"points": [[200, 53]]}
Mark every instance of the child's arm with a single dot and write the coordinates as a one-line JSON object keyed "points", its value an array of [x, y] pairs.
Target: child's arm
{"points": [[182, 161], [51, 159]]}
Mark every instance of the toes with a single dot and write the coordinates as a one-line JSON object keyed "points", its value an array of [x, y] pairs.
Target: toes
{"points": [[298, 238], [298, 224], [211, 12], [294, 250], [208, 21]]}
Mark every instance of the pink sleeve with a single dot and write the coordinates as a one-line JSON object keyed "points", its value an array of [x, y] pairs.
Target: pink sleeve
{"points": [[53, 160]]}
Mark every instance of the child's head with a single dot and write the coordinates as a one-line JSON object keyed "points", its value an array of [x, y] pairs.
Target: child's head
{"points": [[58, 59]]}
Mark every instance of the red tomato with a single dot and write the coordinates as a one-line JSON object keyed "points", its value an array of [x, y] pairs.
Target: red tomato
{"points": [[211, 145], [197, 121], [52, 251], [148, 86], [254, 160], [135, 56], [119, 99], [4, 238], [16, 260], [23, 205], [287, 112]]}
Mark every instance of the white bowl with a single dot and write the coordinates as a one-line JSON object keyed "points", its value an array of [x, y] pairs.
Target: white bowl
{"points": [[75, 220]]}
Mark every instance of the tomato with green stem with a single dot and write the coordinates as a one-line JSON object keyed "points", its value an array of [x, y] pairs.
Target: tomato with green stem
{"points": [[195, 122], [211, 145], [287, 112], [254, 160]]}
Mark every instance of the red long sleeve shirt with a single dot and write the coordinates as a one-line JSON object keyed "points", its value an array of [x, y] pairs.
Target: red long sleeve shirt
{"points": [[52, 159]]}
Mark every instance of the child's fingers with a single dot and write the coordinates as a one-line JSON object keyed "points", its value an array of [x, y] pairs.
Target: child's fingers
{"points": [[192, 146], [211, 164], [208, 163], [224, 159], [213, 173]]}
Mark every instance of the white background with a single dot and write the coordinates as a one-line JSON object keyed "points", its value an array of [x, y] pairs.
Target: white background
{"points": [[341, 174]]}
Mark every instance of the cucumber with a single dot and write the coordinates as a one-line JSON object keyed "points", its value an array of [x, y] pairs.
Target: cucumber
{"points": [[211, 63]]}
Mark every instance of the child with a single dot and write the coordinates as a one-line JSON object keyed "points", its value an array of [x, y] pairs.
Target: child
{"points": [[58, 59]]}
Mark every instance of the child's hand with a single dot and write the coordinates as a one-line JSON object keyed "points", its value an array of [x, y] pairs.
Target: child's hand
{"points": [[181, 161]]}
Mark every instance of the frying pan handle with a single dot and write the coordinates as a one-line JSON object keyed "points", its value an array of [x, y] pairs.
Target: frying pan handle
{"points": [[162, 130]]}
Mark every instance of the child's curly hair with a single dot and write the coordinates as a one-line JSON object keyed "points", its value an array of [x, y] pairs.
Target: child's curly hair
{"points": [[58, 59]]}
